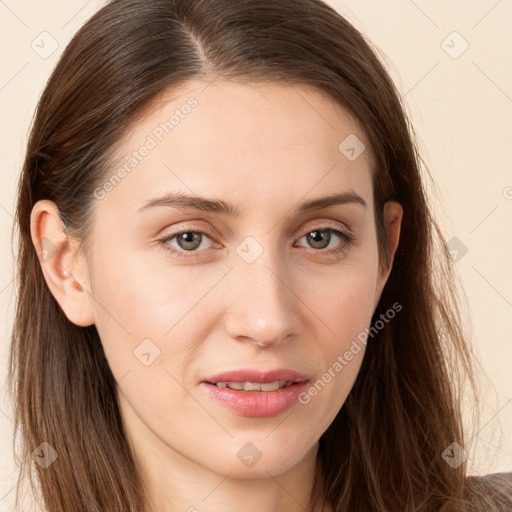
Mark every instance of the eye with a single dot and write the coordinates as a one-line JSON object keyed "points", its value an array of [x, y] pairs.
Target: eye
{"points": [[187, 242], [321, 238]]}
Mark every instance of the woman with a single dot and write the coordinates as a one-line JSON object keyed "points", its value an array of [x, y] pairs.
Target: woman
{"points": [[232, 291]]}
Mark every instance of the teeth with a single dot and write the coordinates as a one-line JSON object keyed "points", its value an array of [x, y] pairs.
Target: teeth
{"points": [[269, 386], [254, 386]]}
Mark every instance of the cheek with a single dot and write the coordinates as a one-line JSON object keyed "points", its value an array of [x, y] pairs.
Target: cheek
{"points": [[151, 308], [343, 300], [347, 314], [149, 320], [344, 307]]}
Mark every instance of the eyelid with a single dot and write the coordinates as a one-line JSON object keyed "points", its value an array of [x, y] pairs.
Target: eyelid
{"points": [[327, 224], [312, 226], [188, 229]]}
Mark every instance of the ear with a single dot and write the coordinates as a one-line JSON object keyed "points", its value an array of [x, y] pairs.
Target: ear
{"points": [[64, 269], [392, 216]]}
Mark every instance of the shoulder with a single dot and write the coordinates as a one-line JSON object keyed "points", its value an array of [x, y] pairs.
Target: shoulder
{"points": [[495, 488], [493, 479]]}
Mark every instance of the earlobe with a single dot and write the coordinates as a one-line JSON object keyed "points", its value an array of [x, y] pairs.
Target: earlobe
{"points": [[65, 272]]}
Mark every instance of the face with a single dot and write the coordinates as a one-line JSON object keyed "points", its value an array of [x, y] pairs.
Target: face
{"points": [[261, 281]]}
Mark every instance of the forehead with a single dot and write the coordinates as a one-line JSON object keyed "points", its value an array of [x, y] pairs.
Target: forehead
{"points": [[256, 143]]}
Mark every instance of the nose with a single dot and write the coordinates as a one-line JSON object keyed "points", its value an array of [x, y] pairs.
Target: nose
{"points": [[261, 304]]}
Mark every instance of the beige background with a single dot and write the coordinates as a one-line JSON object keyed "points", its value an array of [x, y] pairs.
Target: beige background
{"points": [[461, 106]]}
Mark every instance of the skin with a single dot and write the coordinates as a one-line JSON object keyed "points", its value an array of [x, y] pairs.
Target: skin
{"points": [[265, 148]]}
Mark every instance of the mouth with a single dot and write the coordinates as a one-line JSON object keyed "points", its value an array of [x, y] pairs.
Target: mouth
{"points": [[254, 393], [255, 386]]}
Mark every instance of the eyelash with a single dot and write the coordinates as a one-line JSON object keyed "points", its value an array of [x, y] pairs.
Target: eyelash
{"points": [[346, 237]]}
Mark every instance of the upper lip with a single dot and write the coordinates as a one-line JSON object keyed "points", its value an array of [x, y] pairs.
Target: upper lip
{"points": [[257, 376]]}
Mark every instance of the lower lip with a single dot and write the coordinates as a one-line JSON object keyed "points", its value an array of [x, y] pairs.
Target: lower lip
{"points": [[257, 404]]}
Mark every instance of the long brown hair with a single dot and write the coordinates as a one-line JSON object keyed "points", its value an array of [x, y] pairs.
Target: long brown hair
{"points": [[383, 451]]}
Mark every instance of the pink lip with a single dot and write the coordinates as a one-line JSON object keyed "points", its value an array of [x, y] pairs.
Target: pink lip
{"points": [[257, 404]]}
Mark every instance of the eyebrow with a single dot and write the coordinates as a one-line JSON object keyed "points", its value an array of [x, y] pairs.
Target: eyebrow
{"points": [[180, 200]]}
